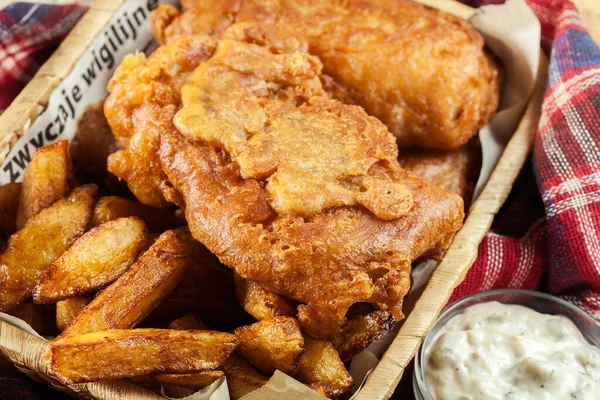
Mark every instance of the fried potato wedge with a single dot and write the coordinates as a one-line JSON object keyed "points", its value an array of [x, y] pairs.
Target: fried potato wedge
{"points": [[271, 344], [48, 177], [68, 309], [94, 261], [122, 353], [187, 322], [192, 380], [113, 207], [39, 317], [242, 378], [321, 368], [259, 302], [42, 240], [9, 203], [361, 331], [127, 301]]}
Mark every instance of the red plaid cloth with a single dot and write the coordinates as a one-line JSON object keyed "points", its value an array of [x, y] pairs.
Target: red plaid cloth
{"points": [[561, 253]]}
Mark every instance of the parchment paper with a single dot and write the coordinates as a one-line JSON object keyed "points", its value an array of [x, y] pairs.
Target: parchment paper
{"points": [[511, 31]]}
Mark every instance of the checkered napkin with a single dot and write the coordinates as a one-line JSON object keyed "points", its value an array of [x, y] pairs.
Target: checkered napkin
{"points": [[29, 33], [560, 253]]}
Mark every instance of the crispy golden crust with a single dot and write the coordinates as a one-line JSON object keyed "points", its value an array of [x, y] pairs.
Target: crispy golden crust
{"points": [[138, 291], [122, 353], [271, 344], [359, 332], [322, 369], [307, 245], [9, 203], [450, 170], [422, 72], [94, 261], [48, 177], [241, 377], [261, 303], [144, 95], [93, 143], [42, 240], [68, 309]]}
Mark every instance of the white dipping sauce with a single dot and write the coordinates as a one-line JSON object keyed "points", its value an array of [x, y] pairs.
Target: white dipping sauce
{"points": [[499, 351]]}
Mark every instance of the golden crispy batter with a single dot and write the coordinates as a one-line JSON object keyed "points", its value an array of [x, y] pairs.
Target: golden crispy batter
{"points": [[328, 258], [359, 332], [450, 170], [422, 72], [270, 344], [144, 96]]}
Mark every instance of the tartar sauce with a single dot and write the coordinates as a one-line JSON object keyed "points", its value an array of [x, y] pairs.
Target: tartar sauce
{"points": [[499, 351]]}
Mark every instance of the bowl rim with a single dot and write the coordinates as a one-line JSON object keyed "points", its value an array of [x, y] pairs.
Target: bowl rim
{"points": [[420, 388]]}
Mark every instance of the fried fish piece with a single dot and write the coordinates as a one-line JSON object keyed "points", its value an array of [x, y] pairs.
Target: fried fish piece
{"points": [[296, 191], [144, 96], [359, 332], [451, 170], [122, 353], [48, 177], [45, 236], [423, 72]]}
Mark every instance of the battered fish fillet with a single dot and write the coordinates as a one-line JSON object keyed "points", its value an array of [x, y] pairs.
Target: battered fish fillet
{"points": [[144, 96], [452, 170], [297, 191], [424, 73]]}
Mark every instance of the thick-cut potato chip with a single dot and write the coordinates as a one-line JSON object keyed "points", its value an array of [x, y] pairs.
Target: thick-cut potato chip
{"points": [[259, 302], [48, 177], [39, 317], [68, 309], [44, 238], [187, 322], [242, 378], [113, 207], [127, 301], [322, 369], [94, 261], [271, 344], [361, 331], [9, 203], [122, 353], [191, 380]]}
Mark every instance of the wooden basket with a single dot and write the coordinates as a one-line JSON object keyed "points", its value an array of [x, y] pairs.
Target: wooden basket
{"points": [[24, 350]]}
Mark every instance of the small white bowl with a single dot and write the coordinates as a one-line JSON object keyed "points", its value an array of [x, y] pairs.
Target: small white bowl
{"points": [[540, 302]]}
